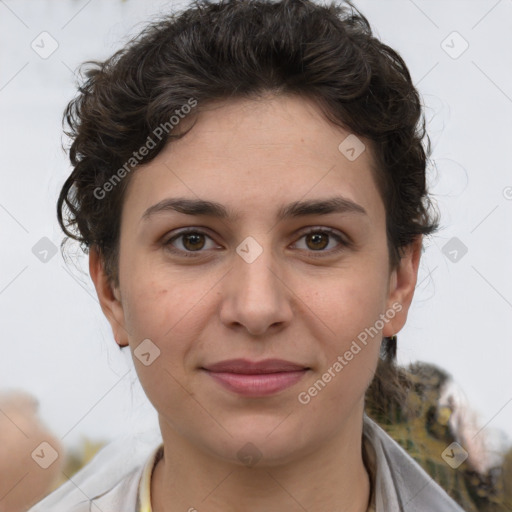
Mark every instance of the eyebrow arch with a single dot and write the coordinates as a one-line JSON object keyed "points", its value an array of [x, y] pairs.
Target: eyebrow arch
{"points": [[336, 204]]}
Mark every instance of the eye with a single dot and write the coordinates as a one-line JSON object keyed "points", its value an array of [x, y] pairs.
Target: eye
{"points": [[192, 240], [317, 239]]}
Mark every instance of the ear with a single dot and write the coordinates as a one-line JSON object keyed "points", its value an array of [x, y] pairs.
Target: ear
{"points": [[109, 297], [402, 282]]}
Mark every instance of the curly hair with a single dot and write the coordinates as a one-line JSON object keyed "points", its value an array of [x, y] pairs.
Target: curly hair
{"points": [[244, 49]]}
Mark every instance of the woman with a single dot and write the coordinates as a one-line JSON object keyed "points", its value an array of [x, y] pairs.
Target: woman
{"points": [[249, 180]]}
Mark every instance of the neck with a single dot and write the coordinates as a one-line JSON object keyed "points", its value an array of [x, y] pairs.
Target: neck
{"points": [[332, 476]]}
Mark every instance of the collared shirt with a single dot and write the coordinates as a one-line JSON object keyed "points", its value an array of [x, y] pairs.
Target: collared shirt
{"points": [[399, 484]]}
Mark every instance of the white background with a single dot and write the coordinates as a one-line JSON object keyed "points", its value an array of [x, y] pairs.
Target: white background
{"points": [[56, 344]]}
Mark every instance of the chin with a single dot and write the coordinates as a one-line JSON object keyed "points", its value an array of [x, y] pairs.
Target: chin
{"points": [[267, 441]]}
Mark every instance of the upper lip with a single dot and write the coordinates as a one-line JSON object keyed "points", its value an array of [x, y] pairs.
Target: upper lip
{"points": [[254, 367]]}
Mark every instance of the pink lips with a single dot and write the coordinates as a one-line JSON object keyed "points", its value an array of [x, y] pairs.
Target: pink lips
{"points": [[258, 378]]}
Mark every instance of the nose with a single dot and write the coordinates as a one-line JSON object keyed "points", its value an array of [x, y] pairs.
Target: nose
{"points": [[255, 295]]}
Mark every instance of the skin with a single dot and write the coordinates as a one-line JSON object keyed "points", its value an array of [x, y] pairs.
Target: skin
{"points": [[298, 300]]}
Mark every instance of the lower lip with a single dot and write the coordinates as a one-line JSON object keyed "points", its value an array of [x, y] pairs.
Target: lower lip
{"points": [[259, 384]]}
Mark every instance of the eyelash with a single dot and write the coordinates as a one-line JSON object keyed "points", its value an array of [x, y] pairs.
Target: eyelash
{"points": [[194, 254]]}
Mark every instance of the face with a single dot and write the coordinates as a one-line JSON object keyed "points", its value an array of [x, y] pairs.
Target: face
{"points": [[312, 287]]}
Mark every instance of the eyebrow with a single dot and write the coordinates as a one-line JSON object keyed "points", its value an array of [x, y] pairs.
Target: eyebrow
{"points": [[336, 204]]}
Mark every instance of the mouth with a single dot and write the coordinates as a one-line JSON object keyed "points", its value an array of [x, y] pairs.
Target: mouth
{"points": [[251, 378]]}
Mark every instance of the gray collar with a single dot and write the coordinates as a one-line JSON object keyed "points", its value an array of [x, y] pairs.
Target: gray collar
{"points": [[402, 485]]}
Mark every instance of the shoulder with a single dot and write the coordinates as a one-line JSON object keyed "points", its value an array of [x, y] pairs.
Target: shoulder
{"points": [[401, 483], [121, 496], [110, 481]]}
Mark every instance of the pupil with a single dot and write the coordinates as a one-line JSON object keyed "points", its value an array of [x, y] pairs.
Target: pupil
{"points": [[192, 236], [315, 239]]}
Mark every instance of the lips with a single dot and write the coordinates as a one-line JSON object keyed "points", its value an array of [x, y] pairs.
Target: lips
{"points": [[247, 367], [256, 378]]}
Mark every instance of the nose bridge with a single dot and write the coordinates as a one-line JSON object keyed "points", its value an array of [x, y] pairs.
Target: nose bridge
{"points": [[255, 294], [255, 268]]}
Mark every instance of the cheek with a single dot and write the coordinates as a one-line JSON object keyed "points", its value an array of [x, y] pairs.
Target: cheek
{"points": [[169, 312], [350, 351], [155, 310], [165, 316], [351, 312], [351, 303], [144, 305], [155, 298]]}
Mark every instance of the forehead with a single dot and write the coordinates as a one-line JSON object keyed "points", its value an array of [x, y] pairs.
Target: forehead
{"points": [[256, 156]]}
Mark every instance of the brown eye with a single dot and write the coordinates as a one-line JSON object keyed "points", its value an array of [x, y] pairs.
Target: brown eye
{"points": [[318, 240], [193, 241], [188, 242]]}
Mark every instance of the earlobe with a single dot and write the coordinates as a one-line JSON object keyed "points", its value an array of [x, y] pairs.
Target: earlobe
{"points": [[402, 285], [108, 296]]}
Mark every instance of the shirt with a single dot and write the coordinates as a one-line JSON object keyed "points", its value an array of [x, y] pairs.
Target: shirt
{"points": [[144, 493], [399, 483]]}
